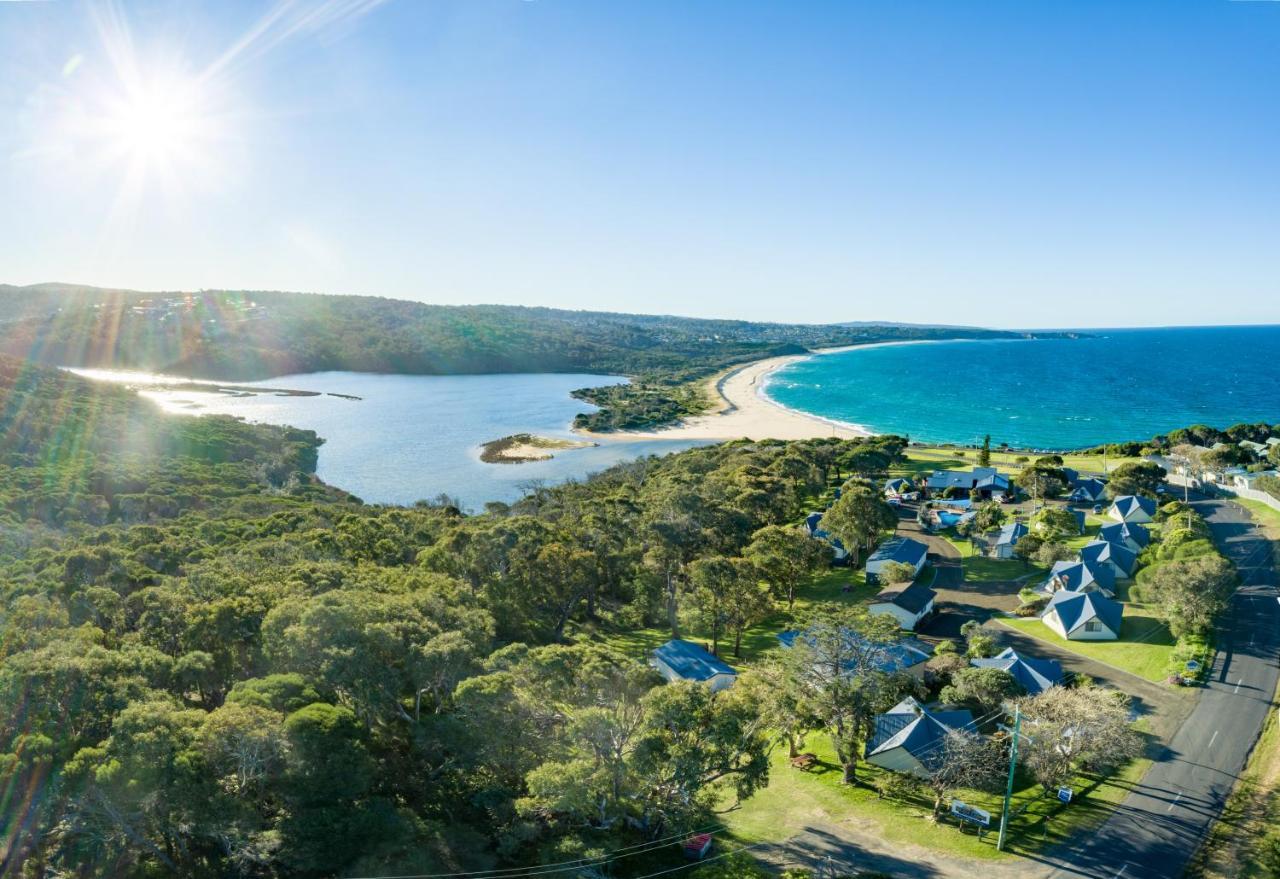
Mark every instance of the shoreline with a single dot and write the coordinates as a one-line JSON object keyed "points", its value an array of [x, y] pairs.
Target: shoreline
{"points": [[745, 411]]}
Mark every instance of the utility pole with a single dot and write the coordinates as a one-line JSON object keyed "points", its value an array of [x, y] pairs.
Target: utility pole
{"points": [[1013, 763]]}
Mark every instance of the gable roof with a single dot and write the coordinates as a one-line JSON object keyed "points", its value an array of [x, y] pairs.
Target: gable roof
{"points": [[918, 731], [896, 656], [690, 661], [978, 477], [813, 524], [1011, 533], [900, 549], [1077, 608], [1099, 551], [1091, 489], [913, 598], [1034, 675], [1079, 576], [897, 485], [1128, 504], [1119, 532]]}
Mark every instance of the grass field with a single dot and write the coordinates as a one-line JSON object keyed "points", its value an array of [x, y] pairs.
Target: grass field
{"points": [[796, 799], [983, 569], [1145, 647], [928, 458]]}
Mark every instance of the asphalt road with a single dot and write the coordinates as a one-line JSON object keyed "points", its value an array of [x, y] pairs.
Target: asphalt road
{"points": [[1157, 828]]}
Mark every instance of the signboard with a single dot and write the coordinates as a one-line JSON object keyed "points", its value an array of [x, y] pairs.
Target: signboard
{"points": [[972, 814], [1064, 794], [1192, 665]]}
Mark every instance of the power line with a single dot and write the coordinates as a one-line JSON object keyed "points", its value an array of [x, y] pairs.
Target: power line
{"points": [[557, 867], [703, 861]]}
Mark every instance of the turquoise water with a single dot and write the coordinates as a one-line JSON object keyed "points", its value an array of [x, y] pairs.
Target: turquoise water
{"points": [[413, 437], [1048, 393]]}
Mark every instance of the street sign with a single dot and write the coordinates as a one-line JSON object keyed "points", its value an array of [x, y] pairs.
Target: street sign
{"points": [[972, 814], [1192, 665], [1064, 794]]}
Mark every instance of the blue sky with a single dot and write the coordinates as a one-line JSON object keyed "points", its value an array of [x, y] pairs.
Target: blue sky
{"points": [[997, 163]]}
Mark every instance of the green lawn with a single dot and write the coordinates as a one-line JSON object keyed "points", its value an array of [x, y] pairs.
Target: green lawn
{"points": [[796, 799], [1145, 647], [1265, 518], [829, 588], [937, 458]]}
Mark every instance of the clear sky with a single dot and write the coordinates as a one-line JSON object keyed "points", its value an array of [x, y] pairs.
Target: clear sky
{"points": [[1021, 163]]}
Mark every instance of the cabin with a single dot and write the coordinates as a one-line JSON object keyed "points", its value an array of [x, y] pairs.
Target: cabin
{"points": [[896, 549], [1006, 539], [1032, 674], [897, 487], [1135, 537], [1132, 509], [1119, 558], [907, 604], [1258, 449], [909, 738], [908, 654], [813, 526], [1088, 491], [1246, 480], [1083, 616], [679, 660], [1080, 576], [989, 483]]}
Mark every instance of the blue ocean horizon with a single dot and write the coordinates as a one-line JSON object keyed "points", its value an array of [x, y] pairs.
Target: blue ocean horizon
{"points": [[1113, 385]]}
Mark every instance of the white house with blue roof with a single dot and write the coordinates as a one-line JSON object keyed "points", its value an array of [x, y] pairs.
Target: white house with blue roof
{"points": [[1088, 491], [1083, 616], [680, 660], [1133, 536], [1007, 538], [896, 549], [1034, 675], [907, 654], [1080, 576], [1116, 556], [813, 525], [909, 738], [1132, 509]]}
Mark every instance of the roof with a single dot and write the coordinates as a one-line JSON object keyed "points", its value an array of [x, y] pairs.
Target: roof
{"points": [[812, 524], [960, 478], [918, 731], [895, 656], [690, 661], [1119, 532], [897, 484], [1077, 608], [1032, 674], [1090, 488], [1098, 551], [900, 549], [1078, 576], [1011, 533], [913, 598], [1129, 504]]}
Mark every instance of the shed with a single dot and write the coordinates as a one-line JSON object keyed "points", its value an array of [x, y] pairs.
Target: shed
{"points": [[680, 660]]}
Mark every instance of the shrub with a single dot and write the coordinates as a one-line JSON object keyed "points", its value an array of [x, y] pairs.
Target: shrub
{"points": [[896, 786]]}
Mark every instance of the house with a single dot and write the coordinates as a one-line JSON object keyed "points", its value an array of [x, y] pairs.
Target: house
{"points": [[1247, 480], [908, 604], [1080, 576], [1007, 539], [679, 660], [1116, 556], [1132, 509], [896, 549], [1259, 449], [1134, 536], [909, 738], [907, 654], [813, 525], [1083, 616], [1272, 441], [1073, 475], [1088, 491], [987, 481], [897, 487], [1033, 675]]}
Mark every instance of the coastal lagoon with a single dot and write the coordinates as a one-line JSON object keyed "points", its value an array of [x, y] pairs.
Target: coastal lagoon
{"points": [[1045, 393], [412, 437]]}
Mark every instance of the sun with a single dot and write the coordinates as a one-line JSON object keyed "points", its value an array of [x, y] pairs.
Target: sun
{"points": [[157, 120]]}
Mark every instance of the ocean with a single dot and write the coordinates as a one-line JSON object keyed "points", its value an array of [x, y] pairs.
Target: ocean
{"points": [[1045, 393], [413, 437]]}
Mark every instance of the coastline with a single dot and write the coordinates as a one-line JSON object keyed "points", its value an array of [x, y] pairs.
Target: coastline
{"points": [[746, 412]]}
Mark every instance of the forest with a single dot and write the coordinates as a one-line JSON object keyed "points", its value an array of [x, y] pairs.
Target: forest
{"points": [[213, 665], [247, 335]]}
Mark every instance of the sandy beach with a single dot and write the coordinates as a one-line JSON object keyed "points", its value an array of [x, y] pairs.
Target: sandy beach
{"points": [[745, 412]]}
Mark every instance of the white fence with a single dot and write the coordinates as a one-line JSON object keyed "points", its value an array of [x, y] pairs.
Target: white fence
{"points": [[1215, 488]]}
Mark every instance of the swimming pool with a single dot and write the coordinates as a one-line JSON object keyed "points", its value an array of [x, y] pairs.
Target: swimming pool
{"points": [[947, 519]]}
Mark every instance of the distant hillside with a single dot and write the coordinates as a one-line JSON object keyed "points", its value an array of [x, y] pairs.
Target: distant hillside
{"points": [[245, 335]]}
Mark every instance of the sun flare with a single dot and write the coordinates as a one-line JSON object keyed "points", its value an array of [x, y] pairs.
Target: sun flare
{"points": [[163, 119]]}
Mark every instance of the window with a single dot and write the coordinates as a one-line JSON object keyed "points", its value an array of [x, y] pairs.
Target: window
{"points": [[1093, 626]]}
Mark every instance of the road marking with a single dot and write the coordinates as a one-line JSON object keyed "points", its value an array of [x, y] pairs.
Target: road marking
{"points": [[1175, 802], [1214, 739], [1238, 683]]}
